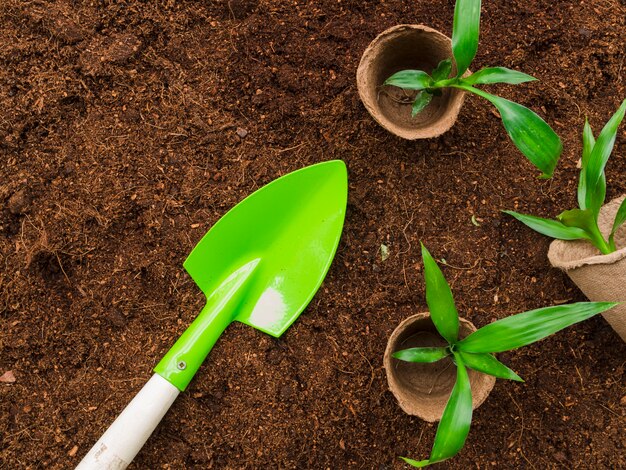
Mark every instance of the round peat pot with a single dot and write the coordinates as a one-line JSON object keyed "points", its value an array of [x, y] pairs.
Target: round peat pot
{"points": [[600, 277], [398, 48], [423, 389]]}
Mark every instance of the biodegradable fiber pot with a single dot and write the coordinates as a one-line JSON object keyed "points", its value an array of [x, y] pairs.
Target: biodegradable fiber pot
{"points": [[423, 389], [600, 277], [407, 47]]}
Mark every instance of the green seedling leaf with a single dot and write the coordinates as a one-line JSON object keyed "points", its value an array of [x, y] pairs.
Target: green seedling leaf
{"points": [[457, 417], [410, 80], [497, 75], [416, 463], [585, 220], [421, 101], [487, 364], [439, 299], [443, 70], [528, 327], [421, 354], [620, 218], [588, 142], [530, 134], [549, 227], [455, 422], [465, 33], [595, 182]]}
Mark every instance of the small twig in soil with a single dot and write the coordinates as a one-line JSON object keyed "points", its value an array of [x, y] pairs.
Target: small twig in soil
{"points": [[521, 414]]}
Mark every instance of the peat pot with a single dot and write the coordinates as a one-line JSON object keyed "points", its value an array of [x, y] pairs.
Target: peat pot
{"points": [[423, 389], [600, 277], [407, 47]]}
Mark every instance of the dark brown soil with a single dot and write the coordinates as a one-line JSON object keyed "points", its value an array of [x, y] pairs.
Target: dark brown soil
{"points": [[127, 129]]}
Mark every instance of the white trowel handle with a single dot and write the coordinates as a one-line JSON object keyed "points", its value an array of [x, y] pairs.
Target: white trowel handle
{"points": [[126, 436]]}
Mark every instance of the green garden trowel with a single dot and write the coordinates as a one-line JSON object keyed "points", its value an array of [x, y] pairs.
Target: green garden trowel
{"points": [[260, 264]]}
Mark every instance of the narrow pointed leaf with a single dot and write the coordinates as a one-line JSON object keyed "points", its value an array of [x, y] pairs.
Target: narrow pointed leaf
{"points": [[443, 70], [487, 364], [497, 75], [620, 218], [416, 463], [457, 417], [528, 327], [588, 142], [530, 134], [421, 101], [410, 80], [465, 33], [549, 227], [421, 354], [595, 181], [439, 299]]}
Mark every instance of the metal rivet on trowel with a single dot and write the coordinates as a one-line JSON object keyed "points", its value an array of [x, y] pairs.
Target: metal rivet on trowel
{"points": [[182, 365]]}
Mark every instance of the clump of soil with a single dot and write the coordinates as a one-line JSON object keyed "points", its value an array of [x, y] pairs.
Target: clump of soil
{"points": [[120, 125]]}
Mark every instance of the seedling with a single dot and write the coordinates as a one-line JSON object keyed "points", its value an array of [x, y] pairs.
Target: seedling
{"points": [[582, 223], [476, 351], [530, 134]]}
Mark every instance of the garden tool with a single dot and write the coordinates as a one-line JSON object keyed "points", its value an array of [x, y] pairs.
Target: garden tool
{"points": [[260, 265]]}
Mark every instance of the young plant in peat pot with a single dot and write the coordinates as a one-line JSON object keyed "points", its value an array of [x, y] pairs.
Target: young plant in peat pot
{"points": [[409, 83], [590, 243], [470, 353]]}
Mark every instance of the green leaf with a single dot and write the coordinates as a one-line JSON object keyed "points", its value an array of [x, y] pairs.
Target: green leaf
{"points": [[421, 101], [620, 218], [549, 227], [421, 354], [439, 299], [526, 328], [530, 134], [487, 364], [457, 417], [416, 463], [588, 142], [585, 220], [465, 32], [497, 75], [410, 80], [443, 70], [595, 181]]}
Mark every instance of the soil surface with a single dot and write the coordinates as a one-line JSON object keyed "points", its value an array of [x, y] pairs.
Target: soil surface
{"points": [[127, 129]]}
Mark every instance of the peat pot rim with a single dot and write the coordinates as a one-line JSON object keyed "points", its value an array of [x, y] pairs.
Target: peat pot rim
{"points": [[407, 46], [589, 256], [423, 389]]}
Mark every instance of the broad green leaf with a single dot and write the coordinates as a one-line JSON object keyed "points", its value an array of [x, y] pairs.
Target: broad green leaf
{"points": [[410, 80], [549, 227], [595, 181], [443, 70], [421, 101], [439, 299], [526, 328], [530, 134], [465, 32], [457, 417], [620, 218], [487, 364], [497, 75], [588, 142], [421, 354], [585, 220]]}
